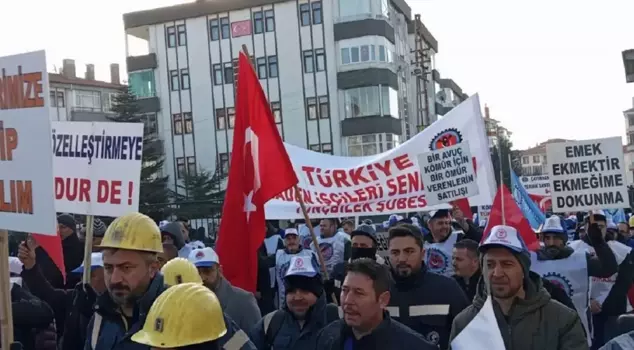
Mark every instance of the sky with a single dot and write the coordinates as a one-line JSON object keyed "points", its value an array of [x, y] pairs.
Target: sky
{"points": [[546, 69]]}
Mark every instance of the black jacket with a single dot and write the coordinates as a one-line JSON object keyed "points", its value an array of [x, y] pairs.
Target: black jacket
{"points": [[73, 250], [470, 287], [389, 335], [438, 298], [30, 315]]}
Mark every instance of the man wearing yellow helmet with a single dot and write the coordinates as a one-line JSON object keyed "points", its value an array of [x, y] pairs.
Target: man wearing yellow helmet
{"points": [[130, 247], [179, 271]]}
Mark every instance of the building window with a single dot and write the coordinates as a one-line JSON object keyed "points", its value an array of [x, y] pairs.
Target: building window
{"points": [[228, 73], [231, 115], [308, 61], [189, 122], [171, 36], [630, 119], [544, 160], [630, 138], [224, 163], [174, 80], [320, 60], [315, 148], [326, 148], [180, 167], [142, 83], [273, 67], [377, 50], [224, 28], [88, 100], [261, 66], [391, 141], [217, 68], [311, 108], [57, 99], [276, 108], [270, 20], [178, 124], [304, 14], [354, 8], [316, 12], [323, 108], [362, 145], [182, 35], [221, 119], [371, 101], [525, 160], [214, 30], [258, 22], [535, 159], [108, 99], [185, 79], [191, 166]]}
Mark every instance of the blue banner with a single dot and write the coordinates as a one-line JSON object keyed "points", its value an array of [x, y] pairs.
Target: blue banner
{"points": [[616, 215], [530, 210]]}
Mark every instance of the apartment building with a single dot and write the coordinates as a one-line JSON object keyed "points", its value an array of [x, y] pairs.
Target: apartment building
{"points": [[343, 77], [534, 160], [75, 98]]}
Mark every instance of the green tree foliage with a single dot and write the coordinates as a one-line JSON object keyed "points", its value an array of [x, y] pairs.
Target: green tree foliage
{"points": [[203, 194], [153, 185], [503, 148]]}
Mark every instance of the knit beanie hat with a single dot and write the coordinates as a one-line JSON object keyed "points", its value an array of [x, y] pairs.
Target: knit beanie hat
{"points": [[310, 284]]}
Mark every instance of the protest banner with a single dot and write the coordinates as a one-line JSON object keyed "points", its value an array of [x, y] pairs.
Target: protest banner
{"points": [[97, 167], [586, 175], [536, 185], [448, 174], [26, 176], [26, 172], [389, 182], [483, 212]]}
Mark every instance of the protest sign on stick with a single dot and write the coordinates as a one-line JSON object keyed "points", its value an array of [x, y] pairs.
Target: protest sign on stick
{"points": [[448, 174], [586, 175], [26, 165]]}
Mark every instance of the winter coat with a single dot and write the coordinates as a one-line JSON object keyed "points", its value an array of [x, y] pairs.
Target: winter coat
{"points": [[30, 315], [239, 304], [536, 322]]}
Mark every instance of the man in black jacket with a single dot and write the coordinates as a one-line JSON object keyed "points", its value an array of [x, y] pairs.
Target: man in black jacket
{"points": [[466, 263], [30, 314]]}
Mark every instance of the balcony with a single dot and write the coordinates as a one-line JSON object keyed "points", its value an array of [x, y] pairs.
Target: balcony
{"points": [[143, 62], [628, 62], [87, 114]]}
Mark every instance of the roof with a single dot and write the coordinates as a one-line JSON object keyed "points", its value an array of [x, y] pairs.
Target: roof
{"points": [[60, 79], [541, 148], [631, 110], [424, 32]]}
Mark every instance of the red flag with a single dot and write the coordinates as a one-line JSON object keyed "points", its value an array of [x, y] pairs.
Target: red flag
{"points": [[463, 205], [513, 216], [260, 170], [52, 245]]}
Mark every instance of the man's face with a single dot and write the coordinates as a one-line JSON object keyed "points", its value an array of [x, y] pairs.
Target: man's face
{"points": [[624, 229], [603, 227], [167, 255], [127, 274], [503, 272], [167, 239], [185, 230], [464, 262], [361, 241], [327, 228], [292, 242], [440, 227], [210, 276], [359, 301], [97, 280], [347, 228], [553, 240], [64, 231], [300, 301], [406, 257]]}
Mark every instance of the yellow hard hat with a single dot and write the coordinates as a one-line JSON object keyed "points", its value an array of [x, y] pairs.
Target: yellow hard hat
{"points": [[632, 221], [180, 270], [133, 231], [183, 315]]}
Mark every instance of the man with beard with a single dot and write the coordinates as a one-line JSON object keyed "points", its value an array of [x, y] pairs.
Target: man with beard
{"points": [[305, 311], [466, 263], [570, 269], [364, 245], [424, 301], [526, 315], [130, 247], [239, 304]]}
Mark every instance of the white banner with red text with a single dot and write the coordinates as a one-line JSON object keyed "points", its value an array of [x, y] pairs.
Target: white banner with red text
{"points": [[390, 182], [97, 167]]}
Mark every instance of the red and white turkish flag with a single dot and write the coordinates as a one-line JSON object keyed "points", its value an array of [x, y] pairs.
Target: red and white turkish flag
{"points": [[260, 169]]}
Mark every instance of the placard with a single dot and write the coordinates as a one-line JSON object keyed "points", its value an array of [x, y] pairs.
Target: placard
{"points": [[448, 174], [97, 167], [536, 185], [26, 166], [586, 175]]}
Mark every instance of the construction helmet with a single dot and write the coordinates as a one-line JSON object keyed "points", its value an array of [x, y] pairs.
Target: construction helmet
{"points": [[133, 231], [180, 270], [165, 327]]}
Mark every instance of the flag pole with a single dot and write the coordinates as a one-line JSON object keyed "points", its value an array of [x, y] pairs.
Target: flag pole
{"points": [[300, 200], [501, 176]]}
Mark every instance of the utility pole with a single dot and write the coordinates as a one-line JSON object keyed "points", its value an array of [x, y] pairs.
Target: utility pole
{"points": [[421, 72]]}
